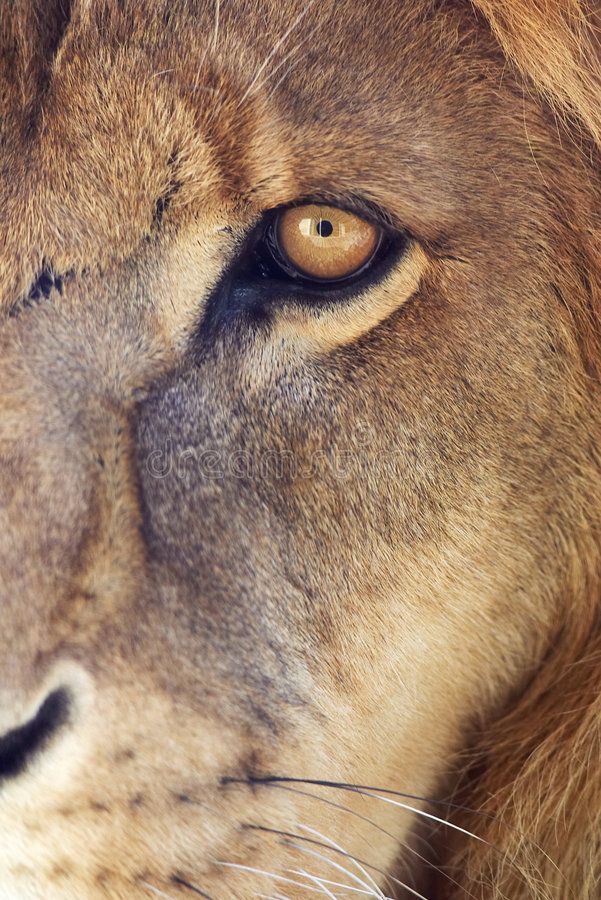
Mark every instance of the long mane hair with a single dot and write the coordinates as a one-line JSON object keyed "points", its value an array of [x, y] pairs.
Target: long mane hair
{"points": [[532, 785]]}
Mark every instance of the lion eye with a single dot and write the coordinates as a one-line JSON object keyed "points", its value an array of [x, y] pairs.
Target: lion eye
{"points": [[323, 243]]}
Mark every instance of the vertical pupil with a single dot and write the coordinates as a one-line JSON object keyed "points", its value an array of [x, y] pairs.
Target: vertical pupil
{"points": [[324, 228]]}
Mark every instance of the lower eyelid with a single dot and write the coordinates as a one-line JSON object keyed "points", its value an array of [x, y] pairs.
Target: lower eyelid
{"points": [[321, 328]]}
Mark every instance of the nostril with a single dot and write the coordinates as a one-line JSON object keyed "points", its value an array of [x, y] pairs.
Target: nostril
{"points": [[19, 746]]}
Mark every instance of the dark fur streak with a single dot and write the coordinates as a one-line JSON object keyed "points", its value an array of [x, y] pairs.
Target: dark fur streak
{"points": [[183, 797], [96, 806], [164, 201], [181, 882]]}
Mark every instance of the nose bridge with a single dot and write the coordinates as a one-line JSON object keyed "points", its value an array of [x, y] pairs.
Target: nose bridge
{"points": [[69, 370]]}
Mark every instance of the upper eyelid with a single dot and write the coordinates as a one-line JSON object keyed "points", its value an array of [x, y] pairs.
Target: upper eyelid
{"points": [[357, 205]]}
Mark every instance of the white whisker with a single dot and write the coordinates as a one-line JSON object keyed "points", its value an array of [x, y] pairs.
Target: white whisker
{"points": [[156, 890], [347, 887], [353, 812], [376, 891], [216, 26], [296, 22], [273, 88], [256, 871], [283, 62], [272, 896], [162, 72], [326, 840], [366, 889], [318, 881], [421, 812]]}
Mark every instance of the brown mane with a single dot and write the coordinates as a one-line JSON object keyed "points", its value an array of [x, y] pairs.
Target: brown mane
{"points": [[534, 777], [556, 46]]}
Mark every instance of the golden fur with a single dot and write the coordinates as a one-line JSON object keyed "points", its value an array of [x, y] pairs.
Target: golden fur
{"points": [[356, 543]]}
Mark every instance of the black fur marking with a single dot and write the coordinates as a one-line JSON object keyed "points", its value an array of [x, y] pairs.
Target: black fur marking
{"points": [[182, 797], [20, 745], [51, 22], [164, 201], [47, 281]]}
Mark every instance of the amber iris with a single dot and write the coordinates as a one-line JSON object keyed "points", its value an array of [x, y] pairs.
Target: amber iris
{"points": [[325, 243]]}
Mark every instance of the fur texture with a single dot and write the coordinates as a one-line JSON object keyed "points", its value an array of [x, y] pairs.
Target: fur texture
{"points": [[246, 539]]}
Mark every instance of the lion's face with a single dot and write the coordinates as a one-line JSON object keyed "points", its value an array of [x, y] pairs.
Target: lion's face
{"points": [[252, 525]]}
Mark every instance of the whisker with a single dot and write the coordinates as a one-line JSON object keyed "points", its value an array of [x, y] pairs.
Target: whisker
{"points": [[256, 871], [273, 896], [274, 87], [376, 794], [156, 890], [216, 25], [460, 808], [162, 72], [299, 837], [295, 23], [324, 889], [457, 828], [353, 812], [357, 788], [340, 849], [286, 880], [371, 791], [372, 892], [321, 856], [346, 887], [365, 791], [421, 812], [283, 62]]}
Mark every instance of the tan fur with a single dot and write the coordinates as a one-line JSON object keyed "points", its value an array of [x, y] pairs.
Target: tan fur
{"points": [[358, 544]]}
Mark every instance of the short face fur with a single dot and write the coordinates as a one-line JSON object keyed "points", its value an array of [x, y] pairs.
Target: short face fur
{"points": [[247, 533]]}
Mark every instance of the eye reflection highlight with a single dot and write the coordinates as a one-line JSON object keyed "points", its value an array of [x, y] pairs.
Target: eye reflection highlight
{"points": [[325, 243]]}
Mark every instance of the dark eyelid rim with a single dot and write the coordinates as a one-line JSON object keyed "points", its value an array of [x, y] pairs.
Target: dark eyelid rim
{"points": [[352, 203], [390, 236], [220, 310], [281, 257]]}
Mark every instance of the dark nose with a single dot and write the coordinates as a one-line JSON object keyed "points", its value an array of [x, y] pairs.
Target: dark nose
{"points": [[20, 745]]}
